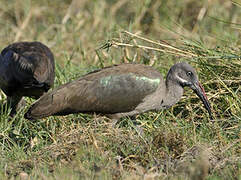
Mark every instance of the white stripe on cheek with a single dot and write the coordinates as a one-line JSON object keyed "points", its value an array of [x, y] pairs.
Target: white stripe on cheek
{"points": [[181, 79]]}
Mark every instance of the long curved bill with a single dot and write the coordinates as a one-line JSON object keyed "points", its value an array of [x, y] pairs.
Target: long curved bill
{"points": [[199, 90]]}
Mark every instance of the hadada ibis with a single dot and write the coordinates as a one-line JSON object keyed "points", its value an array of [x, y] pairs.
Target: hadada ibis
{"points": [[26, 69], [118, 91]]}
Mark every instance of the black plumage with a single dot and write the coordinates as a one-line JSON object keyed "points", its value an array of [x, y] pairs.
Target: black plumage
{"points": [[26, 69]]}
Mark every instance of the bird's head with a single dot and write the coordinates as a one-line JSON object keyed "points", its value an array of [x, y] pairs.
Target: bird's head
{"points": [[185, 75]]}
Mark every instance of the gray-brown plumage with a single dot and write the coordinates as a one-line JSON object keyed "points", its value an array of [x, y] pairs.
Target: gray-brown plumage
{"points": [[26, 69], [117, 91]]}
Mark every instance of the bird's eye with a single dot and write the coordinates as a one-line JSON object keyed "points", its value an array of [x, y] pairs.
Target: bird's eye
{"points": [[189, 73]]}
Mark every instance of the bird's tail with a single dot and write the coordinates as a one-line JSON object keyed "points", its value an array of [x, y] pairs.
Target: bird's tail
{"points": [[49, 104]]}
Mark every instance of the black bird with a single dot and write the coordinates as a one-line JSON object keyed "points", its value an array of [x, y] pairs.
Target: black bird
{"points": [[120, 90], [26, 69]]}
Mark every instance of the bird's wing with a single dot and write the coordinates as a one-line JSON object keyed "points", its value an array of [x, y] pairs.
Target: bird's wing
{"points": [[43, 60], [108, 91], [31, 63], [16, 66]]}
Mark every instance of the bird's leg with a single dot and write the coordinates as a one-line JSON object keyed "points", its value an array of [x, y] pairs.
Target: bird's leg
{"points": [[116, 117], [15, 103]]}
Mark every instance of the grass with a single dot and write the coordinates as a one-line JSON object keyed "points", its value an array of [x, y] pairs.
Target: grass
{"points": [[178, 143]]}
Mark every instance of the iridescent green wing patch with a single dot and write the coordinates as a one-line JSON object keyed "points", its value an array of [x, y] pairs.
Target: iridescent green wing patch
{"points": [[153, 82], [130, 78]]}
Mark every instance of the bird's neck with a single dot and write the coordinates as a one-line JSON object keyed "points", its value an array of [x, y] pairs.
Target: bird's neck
{"points": [[173, 93]]}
